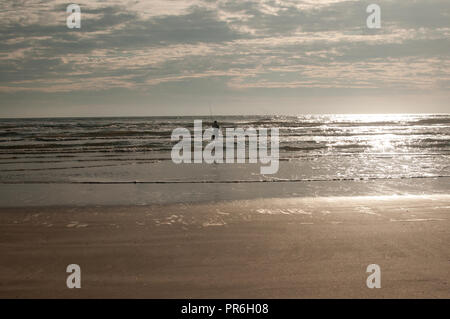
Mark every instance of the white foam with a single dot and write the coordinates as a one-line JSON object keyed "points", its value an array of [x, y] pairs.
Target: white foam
{"points": [[416, 220]]}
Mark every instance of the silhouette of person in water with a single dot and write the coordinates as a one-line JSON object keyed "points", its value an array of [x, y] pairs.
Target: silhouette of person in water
{"points": [[216, 128]]}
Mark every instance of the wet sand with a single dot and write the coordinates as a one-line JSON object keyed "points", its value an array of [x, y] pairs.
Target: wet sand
{"points": [[268, 248]]}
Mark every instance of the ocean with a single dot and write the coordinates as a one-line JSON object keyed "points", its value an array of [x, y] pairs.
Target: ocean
{"points": [[320, 155]]}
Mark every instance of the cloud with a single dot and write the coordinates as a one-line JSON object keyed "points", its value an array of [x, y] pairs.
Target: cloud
{"points": [[240, 45]]}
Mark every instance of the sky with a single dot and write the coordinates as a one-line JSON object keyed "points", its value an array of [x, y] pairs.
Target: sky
{"points": [[196, 57]]}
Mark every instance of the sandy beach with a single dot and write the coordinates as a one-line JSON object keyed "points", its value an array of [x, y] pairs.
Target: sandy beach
{"points": [[233, 149], [268, 248]]}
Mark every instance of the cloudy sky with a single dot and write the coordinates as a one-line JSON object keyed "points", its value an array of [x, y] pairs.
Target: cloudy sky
{"points": [[172, 57]]}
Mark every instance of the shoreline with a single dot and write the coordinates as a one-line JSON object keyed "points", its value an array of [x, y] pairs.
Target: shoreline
{"points": [[265, 248], [137, 194]]}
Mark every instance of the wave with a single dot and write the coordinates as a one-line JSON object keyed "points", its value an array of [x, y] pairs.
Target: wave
{"points": [[51, 145], [355, 179], [291, 148], [331, 133]]}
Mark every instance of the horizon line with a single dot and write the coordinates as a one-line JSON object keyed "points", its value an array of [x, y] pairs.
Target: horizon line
{"points": [[205, 116]]}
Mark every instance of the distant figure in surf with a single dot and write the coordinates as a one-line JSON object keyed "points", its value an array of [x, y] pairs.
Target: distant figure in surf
{"points": [[216, 128]]}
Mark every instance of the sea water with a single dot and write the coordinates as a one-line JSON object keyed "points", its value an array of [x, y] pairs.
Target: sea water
{"points": [[69, 161]]}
